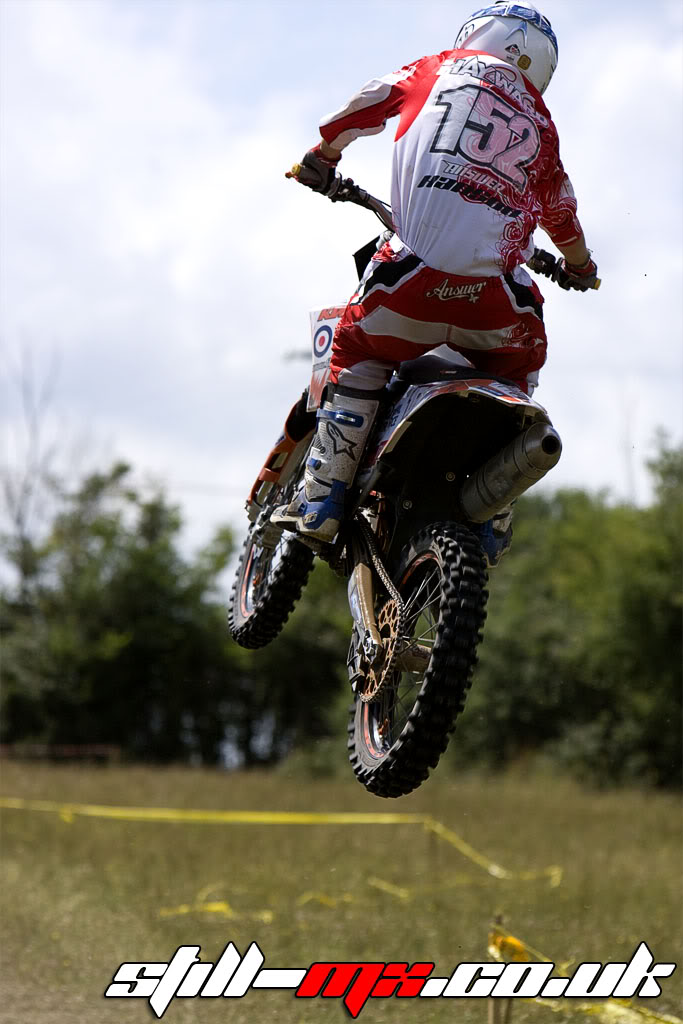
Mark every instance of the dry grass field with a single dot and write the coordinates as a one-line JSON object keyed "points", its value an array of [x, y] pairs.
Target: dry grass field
{"points": [[81, 895]]}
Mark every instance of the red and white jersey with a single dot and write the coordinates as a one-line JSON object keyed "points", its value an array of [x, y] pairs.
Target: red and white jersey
{"points": [[476, 161]]}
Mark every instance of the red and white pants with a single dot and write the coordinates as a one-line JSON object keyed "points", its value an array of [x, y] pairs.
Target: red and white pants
{"points": [[403, 308]]}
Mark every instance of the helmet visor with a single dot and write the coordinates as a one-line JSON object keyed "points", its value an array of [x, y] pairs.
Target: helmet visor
{"points": [[511, 10]]}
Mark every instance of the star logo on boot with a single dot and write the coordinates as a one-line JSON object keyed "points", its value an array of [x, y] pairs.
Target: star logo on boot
{"points": [[340, 444]]}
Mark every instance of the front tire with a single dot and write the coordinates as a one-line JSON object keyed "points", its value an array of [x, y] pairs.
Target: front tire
{"points": [[397, 737], [268, 583]]}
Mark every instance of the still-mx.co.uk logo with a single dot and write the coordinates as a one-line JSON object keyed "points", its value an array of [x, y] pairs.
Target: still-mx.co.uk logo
{"points": [[185, 976]]}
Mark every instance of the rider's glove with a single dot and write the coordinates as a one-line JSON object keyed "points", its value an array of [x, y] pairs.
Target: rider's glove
{"points": [[581, 278], [319, 172]]}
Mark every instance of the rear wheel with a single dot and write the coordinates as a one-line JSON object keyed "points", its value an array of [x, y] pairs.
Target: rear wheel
{"points": [[403, 715]]}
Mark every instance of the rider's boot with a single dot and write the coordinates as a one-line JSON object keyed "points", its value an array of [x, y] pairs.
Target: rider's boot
{"points": [[495, 536], [344, 422]]}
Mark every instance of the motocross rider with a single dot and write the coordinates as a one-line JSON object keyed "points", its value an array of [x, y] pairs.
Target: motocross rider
{"points": [[476, 167]]}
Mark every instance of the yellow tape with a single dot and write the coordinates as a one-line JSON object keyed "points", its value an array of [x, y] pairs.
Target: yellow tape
{"points": [[393, 890], [324, 900], [397, 891], [502, 945], [206, 890], [612, 1011], [221, 907], [68, 812], [553, 873], [202, 905], [206, 817]]}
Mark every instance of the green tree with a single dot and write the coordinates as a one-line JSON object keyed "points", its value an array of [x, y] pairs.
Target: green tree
{"points": [[122, 640], [582, 654], [114, 636], [289, 689]]}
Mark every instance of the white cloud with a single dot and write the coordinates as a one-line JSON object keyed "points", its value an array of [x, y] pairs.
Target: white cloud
{"points": [[150, 236]]}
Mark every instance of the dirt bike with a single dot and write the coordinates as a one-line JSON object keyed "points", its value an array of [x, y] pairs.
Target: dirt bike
{"points": [[450, 448]]}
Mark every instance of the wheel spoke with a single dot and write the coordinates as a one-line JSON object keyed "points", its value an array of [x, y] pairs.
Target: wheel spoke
{"points": [[413, 599], [441, 575], [431, 628], [433, 597], [421, 609], [396, 724], [426, 582], [265, 564], [401, 701]]}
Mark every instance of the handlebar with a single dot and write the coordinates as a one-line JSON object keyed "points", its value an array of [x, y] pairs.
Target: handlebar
{"points": [[348, 192], [542, 262], [344, 190]]}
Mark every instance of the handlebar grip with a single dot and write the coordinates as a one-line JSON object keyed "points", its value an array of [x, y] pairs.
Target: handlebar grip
{"points": [[596, 284], [544, 263]]}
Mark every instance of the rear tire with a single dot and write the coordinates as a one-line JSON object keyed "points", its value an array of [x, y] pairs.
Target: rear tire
{"points": [[395, 739]]}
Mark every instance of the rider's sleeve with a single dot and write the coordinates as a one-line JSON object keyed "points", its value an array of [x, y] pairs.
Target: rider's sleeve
{"points": [[558, 204], [368, 111]]}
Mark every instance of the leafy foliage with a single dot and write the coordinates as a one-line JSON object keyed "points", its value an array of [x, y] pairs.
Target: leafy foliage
{"points": [[123, 641], [111, 635], [582, 654]]}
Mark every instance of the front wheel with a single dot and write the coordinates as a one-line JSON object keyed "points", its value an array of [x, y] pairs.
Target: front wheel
{"points": [[268, 583], [402, 719]]}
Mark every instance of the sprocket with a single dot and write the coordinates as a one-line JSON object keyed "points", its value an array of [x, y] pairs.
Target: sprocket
{"points": [[380, 675]]}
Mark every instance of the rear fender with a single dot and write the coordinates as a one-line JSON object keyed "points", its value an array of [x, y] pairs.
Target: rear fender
{"points": [[403, 413], [429, 439]]}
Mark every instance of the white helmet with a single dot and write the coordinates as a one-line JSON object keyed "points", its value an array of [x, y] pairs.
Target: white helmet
{"points": [[517, 33]]}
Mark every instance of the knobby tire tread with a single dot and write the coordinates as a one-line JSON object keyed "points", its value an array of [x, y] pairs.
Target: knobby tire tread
{"points": [[281, 592], [449, 675]]}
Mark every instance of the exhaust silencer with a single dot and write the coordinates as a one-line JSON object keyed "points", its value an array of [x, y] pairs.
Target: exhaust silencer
{"points": [[510, 472]]}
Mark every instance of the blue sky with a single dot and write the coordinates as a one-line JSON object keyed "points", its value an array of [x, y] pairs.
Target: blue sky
{"points": [[151, 244]]}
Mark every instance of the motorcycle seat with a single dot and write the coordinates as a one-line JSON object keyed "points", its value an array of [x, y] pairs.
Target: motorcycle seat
{"points": [[432, 367]]}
